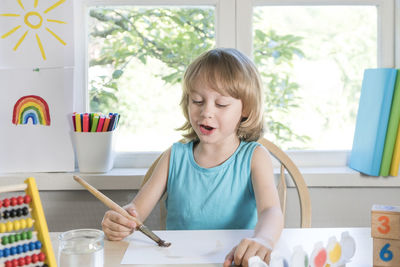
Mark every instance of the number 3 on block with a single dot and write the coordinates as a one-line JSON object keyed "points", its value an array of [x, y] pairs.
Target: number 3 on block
{"points": [[385, 227]]}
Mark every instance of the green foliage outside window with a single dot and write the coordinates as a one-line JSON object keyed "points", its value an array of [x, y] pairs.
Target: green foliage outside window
{"points": [[175, 37]]}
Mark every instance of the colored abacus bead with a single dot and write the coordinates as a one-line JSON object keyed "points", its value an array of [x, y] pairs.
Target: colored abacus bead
{"points": [[6, 202], [13, 213], [38, 244], [6, 214], [20, 200], [13, 201], [27, 199], [6, 252], [21, 261], [11, 239], [25, 211], [13, 250], [17, 225], [28, 260], [32, 246], [18, 212], [3, 228], [29, 235], [34, 258], [41, 256], [19, 249], [9, 226], [1, 203], [17, 237]]}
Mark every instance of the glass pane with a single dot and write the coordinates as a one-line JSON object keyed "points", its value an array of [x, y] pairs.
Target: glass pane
{"points": [[312, 60], [137, 56]]}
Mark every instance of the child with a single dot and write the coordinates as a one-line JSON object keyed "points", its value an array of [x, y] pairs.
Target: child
{"points": [[221, 178]]}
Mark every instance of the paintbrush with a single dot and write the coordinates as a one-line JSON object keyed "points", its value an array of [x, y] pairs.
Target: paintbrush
{"points": [[115, 207]]}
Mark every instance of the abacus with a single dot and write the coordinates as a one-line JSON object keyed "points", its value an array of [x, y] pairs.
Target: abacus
{"points": [[25, 240], [385, 231]]}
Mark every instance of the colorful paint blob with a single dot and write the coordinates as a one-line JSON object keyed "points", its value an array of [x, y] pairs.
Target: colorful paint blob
{"points": [[318, 256], [334, 250], [31, 108]]}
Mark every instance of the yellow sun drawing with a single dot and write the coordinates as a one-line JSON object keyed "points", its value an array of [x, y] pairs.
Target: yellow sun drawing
{"points": [[34, 20]]}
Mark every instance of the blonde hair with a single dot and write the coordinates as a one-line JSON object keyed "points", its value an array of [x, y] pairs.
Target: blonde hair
{"points": [[227, 71]]}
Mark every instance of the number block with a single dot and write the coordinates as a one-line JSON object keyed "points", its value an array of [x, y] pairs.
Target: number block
{"points": [[386, 252], [385, 222]]}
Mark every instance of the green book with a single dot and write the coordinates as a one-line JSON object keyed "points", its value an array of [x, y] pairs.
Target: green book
{"points": [[391, 132]]}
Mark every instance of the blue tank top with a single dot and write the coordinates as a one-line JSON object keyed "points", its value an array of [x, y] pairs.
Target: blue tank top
{"points": [[221, 197]]}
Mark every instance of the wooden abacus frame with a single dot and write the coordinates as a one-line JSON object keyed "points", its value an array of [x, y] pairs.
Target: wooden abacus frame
{"points": [[40, 224]]}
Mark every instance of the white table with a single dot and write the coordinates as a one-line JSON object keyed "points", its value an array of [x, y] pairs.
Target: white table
{"points": [[291, 237]]}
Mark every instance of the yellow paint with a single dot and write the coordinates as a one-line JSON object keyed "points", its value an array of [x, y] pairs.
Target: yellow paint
{"points": [[20, 3], [20, 40], [40, 46], [54, 6], [56, 21], [335, 253], [11, 32], [33, 13], [10, 15], [56, 36], [32, 24]]}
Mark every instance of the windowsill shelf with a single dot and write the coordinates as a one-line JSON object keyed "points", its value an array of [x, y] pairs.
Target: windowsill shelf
{"points": [[131, 178]]}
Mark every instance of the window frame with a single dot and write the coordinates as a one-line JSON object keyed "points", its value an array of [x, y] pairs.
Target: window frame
{"points": [[234, 29]]}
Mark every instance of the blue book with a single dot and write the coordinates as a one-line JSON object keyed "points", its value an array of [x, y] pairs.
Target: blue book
{"points": [[372, 120]]}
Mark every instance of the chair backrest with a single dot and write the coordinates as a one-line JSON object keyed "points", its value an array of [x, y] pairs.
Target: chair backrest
{"points": [[285, 164]]}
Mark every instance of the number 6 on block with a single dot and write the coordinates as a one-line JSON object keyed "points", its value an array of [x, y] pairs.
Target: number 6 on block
{"points": [[386, 252], [385, 222]]}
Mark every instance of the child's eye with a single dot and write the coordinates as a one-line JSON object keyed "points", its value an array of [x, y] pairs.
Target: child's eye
{"points": [[197, 102], [221, 105]]}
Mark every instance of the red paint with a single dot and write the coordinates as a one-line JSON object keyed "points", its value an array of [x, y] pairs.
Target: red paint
{"points": [[320, 258]]}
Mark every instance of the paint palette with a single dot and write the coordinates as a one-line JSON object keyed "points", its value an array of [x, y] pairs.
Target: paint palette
{"points": [[335, 254], [25, 239]]}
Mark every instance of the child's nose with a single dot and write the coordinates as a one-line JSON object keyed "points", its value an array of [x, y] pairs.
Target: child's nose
{"points": [[207, 111]]}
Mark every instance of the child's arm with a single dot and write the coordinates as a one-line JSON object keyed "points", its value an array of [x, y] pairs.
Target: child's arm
{"points": [[270, 219], [116, 226]]}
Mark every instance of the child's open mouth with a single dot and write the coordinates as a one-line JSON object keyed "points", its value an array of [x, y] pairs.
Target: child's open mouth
{"points": [[205, 129]]}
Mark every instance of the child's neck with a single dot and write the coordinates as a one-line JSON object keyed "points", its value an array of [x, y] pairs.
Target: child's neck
{"points": [[212, 155]]}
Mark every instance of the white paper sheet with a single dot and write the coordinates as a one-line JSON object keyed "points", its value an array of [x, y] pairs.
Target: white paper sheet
{"points": [[34, 147], [188, 247], [36, 33]]}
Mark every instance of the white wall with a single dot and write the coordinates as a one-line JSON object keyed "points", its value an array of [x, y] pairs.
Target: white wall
{"points": [[331, 207]]}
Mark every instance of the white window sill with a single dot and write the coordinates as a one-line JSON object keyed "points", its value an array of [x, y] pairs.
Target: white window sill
{"points": [[131, 178]]}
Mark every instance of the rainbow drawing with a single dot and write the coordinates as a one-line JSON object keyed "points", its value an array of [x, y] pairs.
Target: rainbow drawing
{"points": [[31, 107]]}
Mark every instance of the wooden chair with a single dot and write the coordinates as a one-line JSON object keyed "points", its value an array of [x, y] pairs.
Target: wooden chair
{"points": [[285, 164]]}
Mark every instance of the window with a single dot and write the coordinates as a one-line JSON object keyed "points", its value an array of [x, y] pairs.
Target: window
{"points": [[137, 57], [311, 54]]}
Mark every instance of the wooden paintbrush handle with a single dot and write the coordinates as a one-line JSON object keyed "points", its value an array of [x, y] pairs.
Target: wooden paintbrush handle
{"points": [[108, 202]]}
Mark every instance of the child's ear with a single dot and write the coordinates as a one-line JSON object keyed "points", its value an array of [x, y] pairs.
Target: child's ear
{"points": [[243, 119]]}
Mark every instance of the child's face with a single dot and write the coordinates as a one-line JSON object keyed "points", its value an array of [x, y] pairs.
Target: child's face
{"points": [[213, 116]]}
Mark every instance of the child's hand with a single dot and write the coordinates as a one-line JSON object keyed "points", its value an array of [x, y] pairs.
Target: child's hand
{"points": [[246, 249], [115, 226]]}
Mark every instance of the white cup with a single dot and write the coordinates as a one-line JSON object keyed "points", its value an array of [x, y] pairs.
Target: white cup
{"points": [[94, 151]]}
